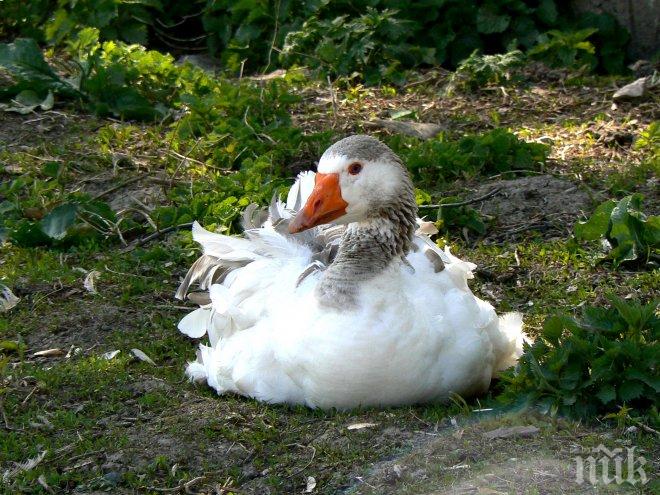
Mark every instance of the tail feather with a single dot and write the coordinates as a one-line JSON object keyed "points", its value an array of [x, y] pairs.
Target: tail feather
{"points": [[508, 343]]}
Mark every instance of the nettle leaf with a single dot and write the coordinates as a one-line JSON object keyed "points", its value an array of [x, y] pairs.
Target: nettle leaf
{"points": [[58, 221], [631, 312], [629, 390], [651, 381], [489, 22], [595, 365], [623, 228], [553, 327], [547, 12]]}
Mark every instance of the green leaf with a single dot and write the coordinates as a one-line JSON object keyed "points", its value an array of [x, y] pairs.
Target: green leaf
{"points": [[10, 346], [547, 12], [630, 390], [606, 394], [52, 169], [489, 22], [59, 220], [651, 381], [24, 60], [597, 226], [553, 327]]}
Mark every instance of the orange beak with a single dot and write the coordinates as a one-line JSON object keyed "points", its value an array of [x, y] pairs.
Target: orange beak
{"points": [[324, 204]]}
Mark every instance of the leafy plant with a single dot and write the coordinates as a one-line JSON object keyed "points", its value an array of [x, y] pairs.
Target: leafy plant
{"points": [[478, 70], [459, 217], [78, 220], [376, 39], [588, 366], [26, 19], [649, 140], [109, 79], [624, 230], [566, 49], [441, 160], [124, 20], [373, 44], [610, 41]]}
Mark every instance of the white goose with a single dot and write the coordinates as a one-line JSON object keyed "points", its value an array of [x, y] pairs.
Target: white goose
{"points": [[360, 313]]}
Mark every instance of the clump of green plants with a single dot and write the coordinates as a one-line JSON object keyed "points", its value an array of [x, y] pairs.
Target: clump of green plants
{"points": [[26, 19], [108, 78], [374, 39], [649, 141], [625, 232], [479, 70], [591, 365], [37, 212], [566, 49], [123, 20], [463, 217], [373, 44], [440, 160], [451, 215]]}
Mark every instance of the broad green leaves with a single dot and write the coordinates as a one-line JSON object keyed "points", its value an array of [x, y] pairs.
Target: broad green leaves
{"points": [[629, 234], [108, 78], [571, 49], [58, 221], [25, 62], [597, 225], [489, 22], [478, 70], [440, 160], [27, 101], [591, 365]]}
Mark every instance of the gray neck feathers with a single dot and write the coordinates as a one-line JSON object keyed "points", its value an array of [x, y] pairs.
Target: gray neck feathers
{"points": [[367, 248]]}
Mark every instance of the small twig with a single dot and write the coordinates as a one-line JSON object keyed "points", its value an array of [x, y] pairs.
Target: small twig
{"points": [[298, 471], [29, 395], [421, 81], [75, 457], [463, 203], [120, 185], [185, 157], [173, 306], [5, 419], [523, 171], [183, 486], [221, 490], [272, 43], [644, 427], [157, 234]]}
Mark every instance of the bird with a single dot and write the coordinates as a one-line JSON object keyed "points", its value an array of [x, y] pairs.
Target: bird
{"points": [[338, 297]]}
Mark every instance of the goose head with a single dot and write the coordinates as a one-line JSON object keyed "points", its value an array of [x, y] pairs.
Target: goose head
{"points": [[358, 179]]}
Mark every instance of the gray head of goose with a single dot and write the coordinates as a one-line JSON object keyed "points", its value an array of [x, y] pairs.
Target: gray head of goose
{"points": [[360, 182]]}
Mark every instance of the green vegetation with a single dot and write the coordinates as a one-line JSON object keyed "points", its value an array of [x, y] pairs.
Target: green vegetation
{"points": [[439, 160], [593, 365], [109, 149], [478, 70], [379, 40], [109, 79], [627, 234]]}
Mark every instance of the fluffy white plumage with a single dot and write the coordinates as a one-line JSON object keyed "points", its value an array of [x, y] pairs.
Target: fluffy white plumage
{"points": [[415, 336]]}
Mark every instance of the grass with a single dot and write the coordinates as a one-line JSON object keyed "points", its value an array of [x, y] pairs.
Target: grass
{"points": [[124, 426]]}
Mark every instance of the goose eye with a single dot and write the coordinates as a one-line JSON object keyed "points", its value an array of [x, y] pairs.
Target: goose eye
{"points": [[354, 168]]}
